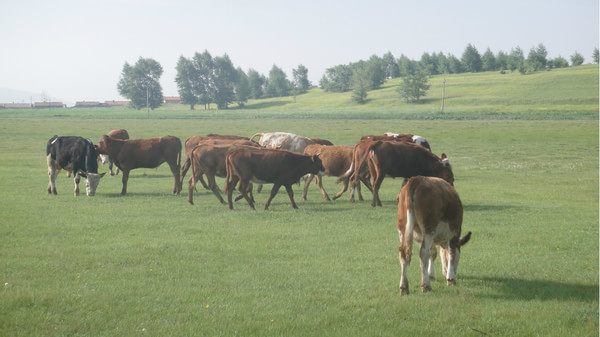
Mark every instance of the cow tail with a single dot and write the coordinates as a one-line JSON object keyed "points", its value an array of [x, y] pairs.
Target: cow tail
{"points": [[346, 174], [465, 239]]}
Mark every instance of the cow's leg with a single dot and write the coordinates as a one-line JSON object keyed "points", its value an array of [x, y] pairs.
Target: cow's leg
{"points": [[230, 182], [175, 171], [213, 186], [453, 258], [444, 257], [110, 167], [404, 262], [432, 257], [124, 179], [307, 181], [272, 195], [360, 197], [76, 181], [191, 187], [243, 188], [185, 168], [345, 184], [352, 188], [376, 185], [290, 193], [424, 254], [52, 173], [320, 184]]}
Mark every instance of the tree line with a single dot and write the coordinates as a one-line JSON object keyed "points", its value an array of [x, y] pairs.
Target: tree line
{"points": [[203, 79]]}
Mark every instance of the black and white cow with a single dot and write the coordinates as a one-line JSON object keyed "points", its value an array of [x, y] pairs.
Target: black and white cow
{"points": [[75, 154]]}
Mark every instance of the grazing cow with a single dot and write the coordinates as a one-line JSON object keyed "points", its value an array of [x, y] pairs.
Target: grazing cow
{"points": [[192, 141], [283, 141], [129, 154], [336, 160], [118, 134], [430, 212], [74, 154], [279, 167], [209, 158]]}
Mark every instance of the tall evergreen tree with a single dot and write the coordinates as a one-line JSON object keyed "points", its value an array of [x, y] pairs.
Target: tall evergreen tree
{"points": [[488, 61], [471, 60], [277, 84]]}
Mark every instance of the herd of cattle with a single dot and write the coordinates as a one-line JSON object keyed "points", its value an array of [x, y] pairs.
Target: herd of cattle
{"points": [[429, 209]]}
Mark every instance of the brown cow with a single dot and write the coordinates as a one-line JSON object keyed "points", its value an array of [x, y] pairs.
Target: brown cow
{"points": [[105, 159], [208, 158], [279, 167], [336, 160], [129, 154], [400, 137], [397, 159], [430, 212], [192, 141]]}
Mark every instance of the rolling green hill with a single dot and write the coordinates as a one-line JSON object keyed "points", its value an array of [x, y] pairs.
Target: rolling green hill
{"points": [[567, 93]]}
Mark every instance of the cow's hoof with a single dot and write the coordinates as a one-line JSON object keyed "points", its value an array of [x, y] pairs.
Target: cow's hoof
{"points": [[404, 291], [451, 282], [426, 289]]}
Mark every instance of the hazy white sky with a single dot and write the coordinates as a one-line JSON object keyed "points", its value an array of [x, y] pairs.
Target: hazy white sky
{"points": [[75, 50]]}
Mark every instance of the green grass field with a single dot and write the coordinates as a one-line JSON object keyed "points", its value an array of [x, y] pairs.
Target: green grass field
{"points": [[150, 264]]}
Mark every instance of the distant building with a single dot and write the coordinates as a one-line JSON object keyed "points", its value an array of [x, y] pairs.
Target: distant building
{"points": [[172, 99], [15, 105], [115, 103], [47, 105], [86, 104]]}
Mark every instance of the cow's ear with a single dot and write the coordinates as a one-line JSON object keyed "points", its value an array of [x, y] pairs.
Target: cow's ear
{"points": [[444, 156]]}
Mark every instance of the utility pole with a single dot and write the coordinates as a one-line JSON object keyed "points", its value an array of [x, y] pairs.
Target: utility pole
{"points": [[148, 105], [443, 93]]}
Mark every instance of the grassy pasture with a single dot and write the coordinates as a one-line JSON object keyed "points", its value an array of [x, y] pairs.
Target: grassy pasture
{"points": [[150, 264]]}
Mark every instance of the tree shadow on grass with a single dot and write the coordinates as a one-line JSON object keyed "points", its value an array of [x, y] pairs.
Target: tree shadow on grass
{"points": [[545, 290], [265, 105]]}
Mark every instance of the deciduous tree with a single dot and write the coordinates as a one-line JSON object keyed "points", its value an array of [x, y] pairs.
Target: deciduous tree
{"points": [[140, 83]]}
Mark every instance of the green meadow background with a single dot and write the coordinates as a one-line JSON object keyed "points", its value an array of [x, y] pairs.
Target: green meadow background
{"points": [[525, 156]]}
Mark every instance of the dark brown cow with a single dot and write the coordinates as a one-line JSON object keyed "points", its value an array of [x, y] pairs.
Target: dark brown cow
{"points": [[336, 159], [430, 212], [397, 159], [321, 141], [208, 158], [279, 167], [105, 159], [192, 141], [130, 154]]}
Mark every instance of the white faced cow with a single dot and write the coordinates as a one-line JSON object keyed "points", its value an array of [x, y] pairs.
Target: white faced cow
{"points": [[430, 212], [74, 154]]}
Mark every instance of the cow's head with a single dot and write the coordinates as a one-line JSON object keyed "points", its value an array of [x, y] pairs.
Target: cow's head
{"points": [[91, 182], [101, 147], [446, 172], [318, 165]]}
